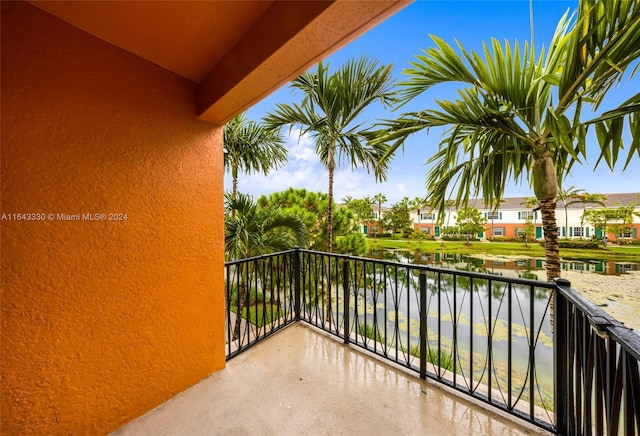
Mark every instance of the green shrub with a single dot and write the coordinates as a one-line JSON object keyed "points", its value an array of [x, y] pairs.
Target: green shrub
{"points": [[254, 296], [588, 244], [370, 333], [459, 238], [505, 239], [627, 241], [446, 357]]}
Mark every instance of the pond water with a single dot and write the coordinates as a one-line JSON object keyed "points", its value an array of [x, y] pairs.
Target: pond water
{"points": [[459, 321], [610, 284], [506, 266], [512, 317]]}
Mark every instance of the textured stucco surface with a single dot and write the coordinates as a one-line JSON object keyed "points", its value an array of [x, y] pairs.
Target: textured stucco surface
{"points": [[102, 321]]}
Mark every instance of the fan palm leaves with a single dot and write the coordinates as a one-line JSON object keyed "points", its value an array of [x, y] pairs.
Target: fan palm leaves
{"points": [[329, 113], [519, 115], [590, 198], [252, 231], [379, 199]]}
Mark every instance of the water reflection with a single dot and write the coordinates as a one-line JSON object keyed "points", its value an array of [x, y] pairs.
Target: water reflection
{"points": [[526, 268], [487, 333]]}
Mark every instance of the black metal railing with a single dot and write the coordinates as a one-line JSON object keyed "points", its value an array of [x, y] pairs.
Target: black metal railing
{"points": [[534, 349], [261, 289], [597, 369]]}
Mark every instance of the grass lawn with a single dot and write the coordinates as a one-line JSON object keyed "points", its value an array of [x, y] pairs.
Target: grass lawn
{"points": [[256, 311], [613, 252]]}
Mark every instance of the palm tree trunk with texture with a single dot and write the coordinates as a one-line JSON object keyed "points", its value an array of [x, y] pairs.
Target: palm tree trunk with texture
{"points": [[551, 248], [327, 297]]}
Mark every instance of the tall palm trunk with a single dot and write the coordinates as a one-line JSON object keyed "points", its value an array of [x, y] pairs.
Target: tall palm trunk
{"points": [[234, 175], [242, 289], [551, 248], [379, 229], [331, 165]]}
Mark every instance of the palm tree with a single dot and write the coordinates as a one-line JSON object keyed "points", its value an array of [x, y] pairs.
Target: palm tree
{"points": [[586, 198], [512, 120], [329, 112], [448, 204], [379, 199], [569, 196], [251, 231], [251, 147], [418, 203]]}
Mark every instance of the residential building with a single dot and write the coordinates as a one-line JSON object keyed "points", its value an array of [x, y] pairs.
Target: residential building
{"points": [[510, 218], [372, 226]]}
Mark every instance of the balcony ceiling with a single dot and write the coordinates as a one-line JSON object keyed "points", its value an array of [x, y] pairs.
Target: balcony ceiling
{"points": [[238, 52]]}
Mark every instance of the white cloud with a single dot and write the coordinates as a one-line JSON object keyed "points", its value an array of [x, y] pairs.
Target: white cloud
{"points": [[300, 148]]}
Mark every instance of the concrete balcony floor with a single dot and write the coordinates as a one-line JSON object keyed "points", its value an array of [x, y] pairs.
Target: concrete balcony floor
{"points": [[304, 382]]}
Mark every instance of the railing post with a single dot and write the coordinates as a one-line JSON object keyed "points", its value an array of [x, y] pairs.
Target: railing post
{"points": [[423, 324], [561, 357], [345, 299], [296, 281]]}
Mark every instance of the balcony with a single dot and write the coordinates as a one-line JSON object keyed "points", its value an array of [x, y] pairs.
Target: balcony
{"points": [[384, 347]]}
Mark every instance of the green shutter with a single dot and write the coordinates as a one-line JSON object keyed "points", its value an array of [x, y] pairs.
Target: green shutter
{"points": [[570, 231], [437, 232], [518, 215], [586, 231], [365, 230], [500, 216], [538, 232], [486, 215], [635, 233], [599, 233]]}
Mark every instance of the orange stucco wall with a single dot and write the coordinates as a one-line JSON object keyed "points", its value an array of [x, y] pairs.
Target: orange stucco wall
{"points": [[102, 320]]}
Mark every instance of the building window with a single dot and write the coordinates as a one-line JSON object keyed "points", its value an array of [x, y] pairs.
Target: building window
{"points": [[373, 229], [498, 231], [426, 230], [493, 215], [428, 216], [624, 267], [375, 215], [626, 233], [578, 231], [526, 214]]}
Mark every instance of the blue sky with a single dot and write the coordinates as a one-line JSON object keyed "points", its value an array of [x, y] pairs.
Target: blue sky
{"points": [[397, 41]]}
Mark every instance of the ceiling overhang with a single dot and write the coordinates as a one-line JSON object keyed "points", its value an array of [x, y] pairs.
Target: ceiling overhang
{"points": [[237, 52]]}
